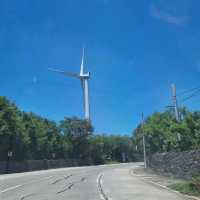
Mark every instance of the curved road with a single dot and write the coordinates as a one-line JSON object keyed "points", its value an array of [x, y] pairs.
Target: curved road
{"points": [[106, 182]]}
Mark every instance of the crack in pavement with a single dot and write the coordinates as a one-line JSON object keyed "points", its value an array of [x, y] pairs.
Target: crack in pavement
{"points": [[83, 179], [71, 185], [26, 196], [58, 180], [67, 177], [64, 190]]}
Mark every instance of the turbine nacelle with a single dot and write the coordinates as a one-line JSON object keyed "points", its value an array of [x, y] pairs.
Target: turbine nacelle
{"points": [[85, 76]]}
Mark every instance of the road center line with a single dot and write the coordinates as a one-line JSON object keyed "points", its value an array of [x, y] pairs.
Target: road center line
{"points": [[102, 194]]}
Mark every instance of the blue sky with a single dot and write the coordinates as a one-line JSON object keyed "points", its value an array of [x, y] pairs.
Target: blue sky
{"points": [[134, 51]]}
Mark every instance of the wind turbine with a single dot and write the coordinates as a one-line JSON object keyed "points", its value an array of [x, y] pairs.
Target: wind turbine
{"points": [[84, 78]]}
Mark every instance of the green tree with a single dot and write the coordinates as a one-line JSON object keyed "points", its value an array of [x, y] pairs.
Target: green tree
{"points": [[77, 133], [164, 133], [12, 135]]}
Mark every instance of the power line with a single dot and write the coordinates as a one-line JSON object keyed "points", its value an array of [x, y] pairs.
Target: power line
{"points": [[196, 93], [188, 91]]}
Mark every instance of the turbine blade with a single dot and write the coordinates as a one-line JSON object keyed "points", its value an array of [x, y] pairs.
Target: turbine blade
{"points": [[74, 75], [82, 63]]}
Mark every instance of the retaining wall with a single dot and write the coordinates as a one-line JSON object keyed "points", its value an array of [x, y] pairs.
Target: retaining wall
{"points": [[180, 164]]}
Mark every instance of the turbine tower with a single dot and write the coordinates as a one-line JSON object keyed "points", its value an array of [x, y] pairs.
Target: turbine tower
{"points": [[84, 78]]}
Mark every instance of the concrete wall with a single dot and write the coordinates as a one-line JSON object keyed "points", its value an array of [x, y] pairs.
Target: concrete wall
{"points": [[180, 164], [31, 165]]}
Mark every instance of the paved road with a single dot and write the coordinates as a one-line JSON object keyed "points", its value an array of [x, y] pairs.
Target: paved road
{"points": [[82, 183]]}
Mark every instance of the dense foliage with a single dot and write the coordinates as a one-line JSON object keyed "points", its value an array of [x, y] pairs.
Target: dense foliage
{"points": [[163, 133], [30, 136]]}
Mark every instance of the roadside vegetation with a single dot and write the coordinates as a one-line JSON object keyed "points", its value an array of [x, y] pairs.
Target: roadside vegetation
{"points": [[164, 134], [29, 136], [32, 137], [188, 187]]}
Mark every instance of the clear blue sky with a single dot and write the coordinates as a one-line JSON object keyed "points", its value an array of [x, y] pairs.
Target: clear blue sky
{"points": [[134, 51]]}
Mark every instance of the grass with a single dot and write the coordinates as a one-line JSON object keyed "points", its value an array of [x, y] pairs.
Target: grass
{"points": [[187, 187], [108, 162]]}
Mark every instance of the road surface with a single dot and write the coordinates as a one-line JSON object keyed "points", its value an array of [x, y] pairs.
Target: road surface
{"points": [[108, 182]]}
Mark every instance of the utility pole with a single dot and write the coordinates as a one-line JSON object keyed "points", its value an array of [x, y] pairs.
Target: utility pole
{"points": [[175, 102], [144, 143]]}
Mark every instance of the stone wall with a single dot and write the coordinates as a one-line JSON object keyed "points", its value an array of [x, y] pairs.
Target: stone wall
{"points": [[180, 164], [137, 157]]}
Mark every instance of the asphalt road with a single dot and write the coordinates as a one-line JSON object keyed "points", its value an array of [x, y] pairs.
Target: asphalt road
{"points": [[108, 182]]}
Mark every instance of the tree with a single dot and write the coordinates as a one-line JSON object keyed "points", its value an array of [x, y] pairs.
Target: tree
{"points": [[164, 133], [77, 133], [45, 137], [12, 136]]}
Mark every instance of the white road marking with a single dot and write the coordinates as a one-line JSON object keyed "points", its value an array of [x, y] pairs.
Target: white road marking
{"points": [[10, 188], [17, 186], [100, 188], [40, 172]]}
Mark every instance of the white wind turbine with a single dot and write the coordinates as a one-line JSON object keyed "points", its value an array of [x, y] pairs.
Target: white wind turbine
{"points": [[83, 77]]}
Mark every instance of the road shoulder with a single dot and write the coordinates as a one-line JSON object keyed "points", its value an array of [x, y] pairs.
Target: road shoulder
{"points": [[158, 180]]}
